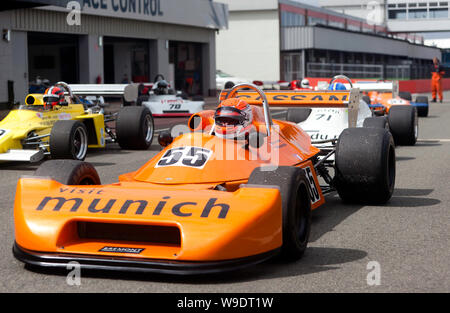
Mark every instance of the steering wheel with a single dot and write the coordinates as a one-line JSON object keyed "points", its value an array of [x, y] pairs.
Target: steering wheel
{"points": [[265, 104], [158, 76], [341, 77]]}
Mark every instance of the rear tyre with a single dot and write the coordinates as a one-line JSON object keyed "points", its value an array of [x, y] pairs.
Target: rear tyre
{"points": [[298, 115], [296, 207], [68, 140], [69, 172], [422, 111], [404, 124], [376, 122], [366, 99], [406, 95], [365, 165], [134, 128]]}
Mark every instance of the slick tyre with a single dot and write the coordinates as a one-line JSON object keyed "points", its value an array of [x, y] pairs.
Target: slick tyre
{"points": [[296, 207], [365, 165], [69, 172], [68, 140], [376, 122], [422, 111], [298, 115], [134, 128], [404, 124], [366, 99], [405, 95]]}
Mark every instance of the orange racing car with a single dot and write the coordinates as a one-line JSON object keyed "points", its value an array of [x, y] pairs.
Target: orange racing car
{"points": [[204, 203]]}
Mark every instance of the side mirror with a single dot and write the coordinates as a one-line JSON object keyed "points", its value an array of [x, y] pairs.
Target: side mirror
{"points": [[165, 138]]}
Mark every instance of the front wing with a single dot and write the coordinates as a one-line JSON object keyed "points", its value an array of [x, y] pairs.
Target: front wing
{"points": [[136, 227]]}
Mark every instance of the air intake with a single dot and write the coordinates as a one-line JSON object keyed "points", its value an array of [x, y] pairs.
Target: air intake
{"points": [[149, 234]]}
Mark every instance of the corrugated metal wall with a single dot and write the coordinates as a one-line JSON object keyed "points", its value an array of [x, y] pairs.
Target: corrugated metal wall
{"points": [[310, 37], [51, 21]]}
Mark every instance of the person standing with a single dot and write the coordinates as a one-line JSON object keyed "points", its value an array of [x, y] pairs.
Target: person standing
{"points": [[437, 72]]}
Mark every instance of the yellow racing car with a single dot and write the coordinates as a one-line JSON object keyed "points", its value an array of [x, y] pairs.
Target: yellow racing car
{"points": [[66, 131]]}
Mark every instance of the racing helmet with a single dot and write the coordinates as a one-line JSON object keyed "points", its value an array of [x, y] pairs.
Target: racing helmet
{"points": [[233, 119], [53, 96], [161, 88], [337, 86], [305, 84]]}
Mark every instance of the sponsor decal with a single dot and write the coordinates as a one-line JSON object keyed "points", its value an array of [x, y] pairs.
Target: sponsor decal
{"points": [[3, 132], [39, 114], [187, 156], [68, 201], [297, 97], [121, 250], [313, 190], [64, 116]]}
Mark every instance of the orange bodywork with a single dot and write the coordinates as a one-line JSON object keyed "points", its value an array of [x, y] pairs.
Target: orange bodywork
{"points": [[170, 208], [386, 99]]}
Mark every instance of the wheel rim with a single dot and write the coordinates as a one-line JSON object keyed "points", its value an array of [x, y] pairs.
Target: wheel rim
{"points": [[148, 128], [80, 143]]}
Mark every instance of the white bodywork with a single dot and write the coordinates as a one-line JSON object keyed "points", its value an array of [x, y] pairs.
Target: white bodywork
{"points": [[328, 123], [222, 78], [172, 105]]}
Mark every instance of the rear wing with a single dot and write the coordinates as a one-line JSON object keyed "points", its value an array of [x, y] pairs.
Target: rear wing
{"points": [[391, 86], [98, 89], [130, 92], [307, 99]]}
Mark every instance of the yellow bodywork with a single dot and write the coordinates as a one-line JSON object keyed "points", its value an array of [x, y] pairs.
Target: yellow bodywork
{"points": [[36, 119]]}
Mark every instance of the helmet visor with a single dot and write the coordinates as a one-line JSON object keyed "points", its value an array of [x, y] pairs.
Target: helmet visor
{"points": [[50, 98]]}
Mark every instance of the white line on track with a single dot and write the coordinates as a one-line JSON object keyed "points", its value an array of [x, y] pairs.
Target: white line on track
{"points": [[433, 140]]}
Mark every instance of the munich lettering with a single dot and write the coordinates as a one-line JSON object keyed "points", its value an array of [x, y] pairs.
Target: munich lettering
{"points": [[136, 207]]}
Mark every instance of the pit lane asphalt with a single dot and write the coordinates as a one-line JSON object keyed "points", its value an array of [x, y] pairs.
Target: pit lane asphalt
{"points": [[409, 236]]}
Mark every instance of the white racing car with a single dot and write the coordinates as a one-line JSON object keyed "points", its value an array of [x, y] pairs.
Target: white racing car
{"points": [[324, 125], [162, 100]]}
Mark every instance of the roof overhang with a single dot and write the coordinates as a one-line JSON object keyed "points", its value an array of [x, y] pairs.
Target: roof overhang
{"points": [[22, 4]]}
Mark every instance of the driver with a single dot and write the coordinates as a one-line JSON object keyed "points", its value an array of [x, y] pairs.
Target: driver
{"points": [[301, 85], [233, 119], [53, 96], [161, 88], [337, 86]]}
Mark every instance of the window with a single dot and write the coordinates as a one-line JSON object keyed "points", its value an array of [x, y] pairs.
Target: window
{"points": [[289, 19], [417, 13], [397, 14], [438, 13]]}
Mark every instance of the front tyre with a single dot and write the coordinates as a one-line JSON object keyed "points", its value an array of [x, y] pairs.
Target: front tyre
{"points": [[404, 124], [135, 128], [296, 206], [68, 140], [365, 165], [69, 172], [422, 111]]}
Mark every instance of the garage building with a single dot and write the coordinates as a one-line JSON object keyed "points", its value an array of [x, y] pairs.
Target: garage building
{"points": [[287, 40], [108, 41]]}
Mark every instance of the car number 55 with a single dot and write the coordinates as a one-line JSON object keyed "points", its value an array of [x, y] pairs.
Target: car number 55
{"points": [[195, 157]]}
